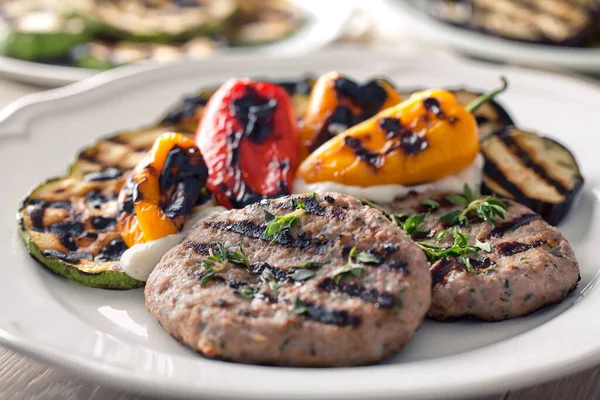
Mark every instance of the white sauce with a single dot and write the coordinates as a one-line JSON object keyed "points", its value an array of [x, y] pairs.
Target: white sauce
{"points": [[387, 193], [139, 260]]}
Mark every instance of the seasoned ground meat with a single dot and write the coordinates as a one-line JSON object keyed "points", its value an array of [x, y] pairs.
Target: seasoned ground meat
{"points": [[290, 304], [530, 264]]}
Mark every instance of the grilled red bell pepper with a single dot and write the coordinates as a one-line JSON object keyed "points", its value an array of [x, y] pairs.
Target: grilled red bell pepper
{"points": [[249, 139]]}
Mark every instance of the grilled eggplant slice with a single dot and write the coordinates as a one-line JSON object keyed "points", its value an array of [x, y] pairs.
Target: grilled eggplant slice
{"points": [[157, 20], [185, 115], [69, 225], [34, 30], [535, 170], [556, 22], [106, 55], [122, 151]]}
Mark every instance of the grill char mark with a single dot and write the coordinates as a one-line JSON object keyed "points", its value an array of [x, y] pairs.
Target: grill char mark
{"points": [[528, 161], [512, 225], [511, 248], [380, 299], [443, 267], [331, 317], [250, 229]]}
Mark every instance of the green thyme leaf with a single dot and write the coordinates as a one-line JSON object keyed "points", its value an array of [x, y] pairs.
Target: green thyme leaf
{"points": [[352, 267], [459, 248], [277, 224], [309, 265], [432, 204], [467, 262], [367, 258], [397, 219], [208, 277], [441, 235], [457, 199], [247, 292], [487, 209], [411, 226], [299, 307], [483, 246], [300, 275]]}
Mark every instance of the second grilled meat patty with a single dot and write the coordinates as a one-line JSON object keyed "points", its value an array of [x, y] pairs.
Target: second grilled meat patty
{"points": [[291, 303], [530, 264]]}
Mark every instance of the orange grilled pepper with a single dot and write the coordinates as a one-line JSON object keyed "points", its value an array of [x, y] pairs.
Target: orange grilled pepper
{"points": [[338, 103], [423, 139], [161, 192]]}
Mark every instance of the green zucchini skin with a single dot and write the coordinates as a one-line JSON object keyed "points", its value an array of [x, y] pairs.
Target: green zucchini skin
{"points": [[116, 280], [38, 46], [111, 278]]}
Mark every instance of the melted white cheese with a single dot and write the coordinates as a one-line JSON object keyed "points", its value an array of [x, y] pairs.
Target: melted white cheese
{"points": [[387, 193], [139, 260]]}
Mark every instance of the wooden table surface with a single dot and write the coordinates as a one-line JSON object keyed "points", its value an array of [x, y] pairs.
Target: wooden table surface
{"points": [[22, 378]]}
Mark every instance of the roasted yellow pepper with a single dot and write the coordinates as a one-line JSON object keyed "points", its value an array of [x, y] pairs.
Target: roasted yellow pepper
{"points": [[162, 190], [338, 103], [423, 139]]}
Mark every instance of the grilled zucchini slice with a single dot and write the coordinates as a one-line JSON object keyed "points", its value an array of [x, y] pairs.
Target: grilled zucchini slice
{"points": [[535, 170], [33, 30], [121, 151], [69, 225], [157, 20], [556, 22]]}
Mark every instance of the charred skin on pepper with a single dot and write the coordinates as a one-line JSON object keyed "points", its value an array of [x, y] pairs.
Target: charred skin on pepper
{"points": [[410, 143], [249, 139], [162, 190], [338, 103]]}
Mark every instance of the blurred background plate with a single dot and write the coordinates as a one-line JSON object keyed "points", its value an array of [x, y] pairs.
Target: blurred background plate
{"points": [[324, 23], [413, 18]]}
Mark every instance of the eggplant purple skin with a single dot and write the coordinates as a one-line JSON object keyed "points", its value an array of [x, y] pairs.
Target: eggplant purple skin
{"points": [[553, 213], [583, 39]]}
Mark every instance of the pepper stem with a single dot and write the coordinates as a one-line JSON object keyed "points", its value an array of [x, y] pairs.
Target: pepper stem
{"points": [[478, 102]]}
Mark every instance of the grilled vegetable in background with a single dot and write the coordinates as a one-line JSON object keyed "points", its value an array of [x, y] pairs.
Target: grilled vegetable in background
{"points": [[105, 55], [69, 225], [536, 171], [32, 30], [161, 193], [559, 22], [265, 21], [155, 20], [423, 139], [249, 139], [338, 103]]}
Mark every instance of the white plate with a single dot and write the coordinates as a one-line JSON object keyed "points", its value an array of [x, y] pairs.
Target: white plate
{"points": [[325, 23], [108, 336], [492, 48]]}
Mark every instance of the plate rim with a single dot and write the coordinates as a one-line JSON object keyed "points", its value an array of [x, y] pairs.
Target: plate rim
{"points": [[18, 112]]}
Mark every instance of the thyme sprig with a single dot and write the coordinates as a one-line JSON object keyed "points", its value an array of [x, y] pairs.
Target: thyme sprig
{"points": [[219, 261], [277, 224], [487, 209], [355, 265]]}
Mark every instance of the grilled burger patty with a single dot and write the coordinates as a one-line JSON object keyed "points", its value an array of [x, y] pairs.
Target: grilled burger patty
{"points": [[343, 286], [530, 264]]}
